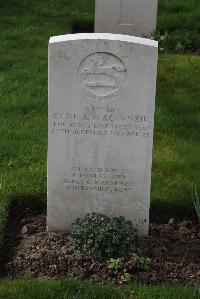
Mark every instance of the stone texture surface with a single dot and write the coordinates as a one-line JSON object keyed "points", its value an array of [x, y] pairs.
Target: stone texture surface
{"points": [[132, 17], [101, 118]]}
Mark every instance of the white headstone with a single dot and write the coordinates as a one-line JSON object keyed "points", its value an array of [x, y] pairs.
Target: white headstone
{"points": [[132, 17], [101, 117]]}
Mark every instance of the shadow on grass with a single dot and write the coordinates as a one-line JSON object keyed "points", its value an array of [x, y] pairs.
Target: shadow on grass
{"points": [[161, 212], [34, 203], [83, 26], [20, 207]]}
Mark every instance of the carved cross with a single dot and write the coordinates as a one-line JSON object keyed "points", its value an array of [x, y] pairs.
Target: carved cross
{"points": [[126, 15]]}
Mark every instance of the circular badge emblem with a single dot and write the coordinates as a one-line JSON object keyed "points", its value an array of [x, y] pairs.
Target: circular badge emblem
{"points": [[102, 76]]}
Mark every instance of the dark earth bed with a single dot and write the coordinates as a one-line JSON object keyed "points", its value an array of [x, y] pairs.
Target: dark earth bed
{"points": [[174, 248]]}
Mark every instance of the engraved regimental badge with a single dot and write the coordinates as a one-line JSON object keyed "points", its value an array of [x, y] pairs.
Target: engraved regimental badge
{"points": [[102, 76]]}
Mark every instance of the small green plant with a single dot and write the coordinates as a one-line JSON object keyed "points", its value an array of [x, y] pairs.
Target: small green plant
{"points": [[140, 263], [116, 266], [197, 203], [115, 263], [103, 237], [123, 269], [126, 277]]}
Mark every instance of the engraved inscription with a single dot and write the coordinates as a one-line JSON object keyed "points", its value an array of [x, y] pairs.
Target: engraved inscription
{"points": [[102, 76], [101, 121], [98, 179]]}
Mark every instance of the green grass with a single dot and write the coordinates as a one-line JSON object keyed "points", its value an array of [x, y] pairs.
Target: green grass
{"points": [[176, 140], [179, 25], [75, 289]]}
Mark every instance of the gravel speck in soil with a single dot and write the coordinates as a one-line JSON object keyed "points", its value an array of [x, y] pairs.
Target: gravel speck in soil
{"points": [[173, 247]]}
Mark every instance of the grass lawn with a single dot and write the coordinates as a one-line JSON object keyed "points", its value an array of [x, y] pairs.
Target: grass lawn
{"points": [[75, 289], [25, 29], [179, 25]]}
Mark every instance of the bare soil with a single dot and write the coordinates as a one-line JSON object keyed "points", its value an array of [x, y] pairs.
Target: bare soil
{"points": [[174, 248]]}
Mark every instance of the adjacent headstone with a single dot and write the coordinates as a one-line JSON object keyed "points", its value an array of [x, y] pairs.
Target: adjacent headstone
{"points": [[101, 117], [131, 17]]}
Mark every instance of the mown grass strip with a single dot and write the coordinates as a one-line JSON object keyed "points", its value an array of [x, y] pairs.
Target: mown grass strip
{"points": [[75, 289]]}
